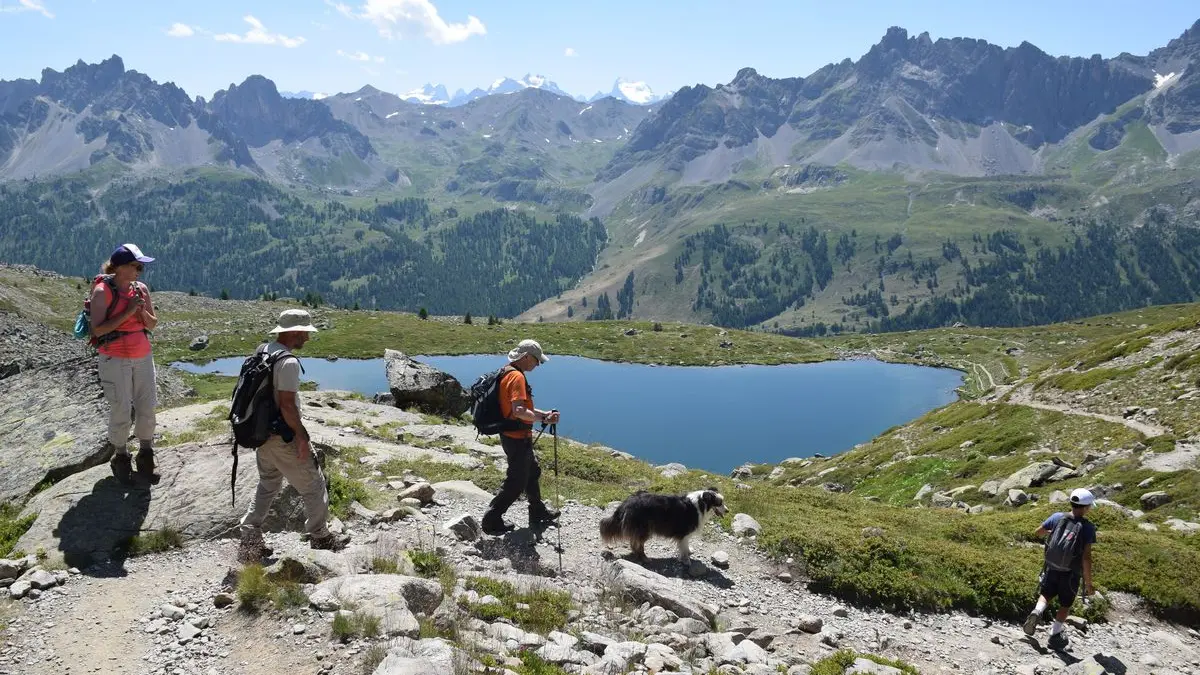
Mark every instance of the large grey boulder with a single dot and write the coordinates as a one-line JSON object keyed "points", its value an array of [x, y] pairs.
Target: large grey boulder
{"points": [[420, 657], [745, 525], [420, 385], [639, 585], [1031, 476], [55, 424], [393, 598], [1153, 500], [89, 514]]}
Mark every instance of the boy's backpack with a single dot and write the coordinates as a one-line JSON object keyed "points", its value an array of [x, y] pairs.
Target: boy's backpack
{"points": [[1064, 545], [485, 404], [83, 322], [253, 411]]}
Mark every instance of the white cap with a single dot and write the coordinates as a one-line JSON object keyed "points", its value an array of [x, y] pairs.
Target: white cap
{"points": [[294, 320], [1081, 497], [530, 347]]}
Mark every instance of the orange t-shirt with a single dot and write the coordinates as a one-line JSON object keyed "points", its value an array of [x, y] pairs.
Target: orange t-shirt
{"points": [[514, 389], [133, 343]]}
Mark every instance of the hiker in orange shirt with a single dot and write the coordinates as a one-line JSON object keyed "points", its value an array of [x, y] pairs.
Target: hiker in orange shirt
{"points": [[516, 404]]}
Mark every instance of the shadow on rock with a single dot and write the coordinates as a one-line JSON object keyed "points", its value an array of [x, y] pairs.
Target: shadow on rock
{"points": [[1111, 663], [520, 547], [100, 525], [672, 567]]}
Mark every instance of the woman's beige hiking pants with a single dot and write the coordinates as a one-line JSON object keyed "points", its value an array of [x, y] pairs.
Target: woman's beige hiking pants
{"points": [[132, 394], [277, 460]]}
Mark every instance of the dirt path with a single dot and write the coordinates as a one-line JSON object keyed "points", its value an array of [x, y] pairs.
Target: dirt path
{"points": [[1023, 397]]}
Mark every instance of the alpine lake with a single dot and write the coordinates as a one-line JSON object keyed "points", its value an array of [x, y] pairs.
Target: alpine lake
{"points": [[712, 418]]}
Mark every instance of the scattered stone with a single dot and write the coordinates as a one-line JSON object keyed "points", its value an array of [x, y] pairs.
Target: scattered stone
{"points": [[19, 589], [299, 629], [720, 559], [697, 569], [1182, 526], [172, 612], [869, 667], [1146, 483], [222, 600], [809, 623], [785, 577], [925, 490], [1031, 476], [990, 488], [671, 470], [1016, 498], [745, 525], [42, 580], [198, 343], [423, 492], [1153, 500], [464, 527], [1058, 497], [187, 632], [363, 512], [841, 612], [11, 569]]}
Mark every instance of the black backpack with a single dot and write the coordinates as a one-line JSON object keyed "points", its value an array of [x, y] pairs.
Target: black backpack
{"points": [[253, 411], [1065, 544], [485, 405]]}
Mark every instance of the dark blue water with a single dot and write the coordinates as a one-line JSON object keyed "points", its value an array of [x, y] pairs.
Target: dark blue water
{"points": [[714, 418]]}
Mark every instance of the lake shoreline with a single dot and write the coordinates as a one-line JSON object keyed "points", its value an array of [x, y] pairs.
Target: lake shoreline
{"points": [[693, 415]]}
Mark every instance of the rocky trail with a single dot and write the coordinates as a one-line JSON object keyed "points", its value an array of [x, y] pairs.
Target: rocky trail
{"points": [[731, 610]]}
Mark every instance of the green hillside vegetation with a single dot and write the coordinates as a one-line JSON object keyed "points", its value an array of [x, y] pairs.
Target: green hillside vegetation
{"points": [[216, 232]]}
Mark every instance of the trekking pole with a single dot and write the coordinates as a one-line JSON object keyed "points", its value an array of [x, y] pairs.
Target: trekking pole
{"points": [[557, 499]]}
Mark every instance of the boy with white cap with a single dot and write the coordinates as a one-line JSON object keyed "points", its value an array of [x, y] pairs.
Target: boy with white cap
{"points": [[1068, 558], [516, 406]]}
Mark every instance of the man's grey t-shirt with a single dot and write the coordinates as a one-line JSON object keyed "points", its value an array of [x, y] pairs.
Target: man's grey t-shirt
{"points": [[287, 372]]}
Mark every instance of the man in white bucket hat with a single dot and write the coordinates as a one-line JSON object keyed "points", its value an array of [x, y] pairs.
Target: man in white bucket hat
{"points": [[524, 472], [288, 452]]}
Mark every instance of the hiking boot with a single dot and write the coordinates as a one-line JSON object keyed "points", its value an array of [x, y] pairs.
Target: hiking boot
{"points": [[545, 514], [329, 542], [145, 464], [496, 527], [251, 548], [122, 468], [1058, 641], [1031, 623]]}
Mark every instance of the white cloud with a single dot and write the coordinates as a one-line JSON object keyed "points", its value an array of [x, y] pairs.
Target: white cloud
{"points": [[360, 56], [28, 6], [406, 17], [180, 30], [570, 52], [259, 35], [342, 8]]}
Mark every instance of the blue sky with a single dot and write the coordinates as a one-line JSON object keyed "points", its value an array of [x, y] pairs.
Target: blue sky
{"points": [[397, 45]]}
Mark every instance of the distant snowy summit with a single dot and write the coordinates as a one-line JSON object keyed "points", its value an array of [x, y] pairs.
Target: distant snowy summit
{"points": [[637, 93]]}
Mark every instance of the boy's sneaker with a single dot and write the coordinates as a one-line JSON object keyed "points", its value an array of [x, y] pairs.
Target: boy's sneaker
{"points": [[1058, 641], [1031, 622], [329, 542], [122, 468]]}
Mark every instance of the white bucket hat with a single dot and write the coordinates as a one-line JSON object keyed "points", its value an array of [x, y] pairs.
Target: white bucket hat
{"points": [[294, 320], [530, 347]]}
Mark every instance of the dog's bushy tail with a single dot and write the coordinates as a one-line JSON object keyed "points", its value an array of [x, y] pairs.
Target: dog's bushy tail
{"points": [[611, 528]]}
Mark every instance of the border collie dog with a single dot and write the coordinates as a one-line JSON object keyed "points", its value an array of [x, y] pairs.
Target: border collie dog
{"points": [[646, 514]]}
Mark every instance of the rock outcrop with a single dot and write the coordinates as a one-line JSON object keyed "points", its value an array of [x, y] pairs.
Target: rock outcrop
{"points": [[420, 385]]}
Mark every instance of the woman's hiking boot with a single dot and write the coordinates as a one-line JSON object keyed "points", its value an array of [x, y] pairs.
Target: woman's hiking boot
{"points": [[1058, 641], [329, 542], [1031, 623], [145, 465], [539, 515], [122, 468]]}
